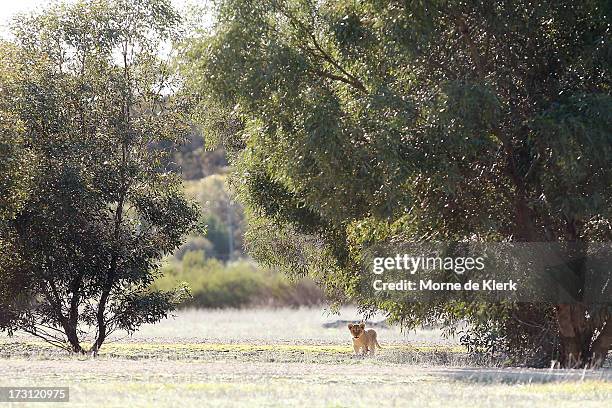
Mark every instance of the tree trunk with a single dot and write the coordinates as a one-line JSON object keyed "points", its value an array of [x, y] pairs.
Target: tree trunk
{"points": [[73, 339], [70, 327], [101, 322], [572, 329], [578, 348], [601, 345]]}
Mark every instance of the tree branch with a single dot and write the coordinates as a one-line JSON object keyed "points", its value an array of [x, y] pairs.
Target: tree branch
{"points": [[51, 340], [464, 29], [346, 76]]}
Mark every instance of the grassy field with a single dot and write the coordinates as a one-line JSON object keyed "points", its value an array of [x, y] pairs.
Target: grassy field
{"points": [[281, 358]]}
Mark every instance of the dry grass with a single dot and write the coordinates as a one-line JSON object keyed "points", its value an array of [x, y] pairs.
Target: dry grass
{"points": [[285, 358]]}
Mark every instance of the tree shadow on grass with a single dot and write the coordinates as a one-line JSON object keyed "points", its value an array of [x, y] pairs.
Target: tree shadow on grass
{"points": [[521, 375]]}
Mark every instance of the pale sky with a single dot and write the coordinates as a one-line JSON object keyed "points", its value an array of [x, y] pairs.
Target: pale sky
{"points": [[8, 8]]}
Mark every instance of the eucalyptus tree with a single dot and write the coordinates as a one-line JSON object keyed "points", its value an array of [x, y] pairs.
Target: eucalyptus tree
{"points": [[15, 173], [352, 123], [14, 158], [95, 101]]}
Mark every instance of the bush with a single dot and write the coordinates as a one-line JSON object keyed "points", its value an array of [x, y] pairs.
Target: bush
{"points": [[521, 334], [242, 283]]}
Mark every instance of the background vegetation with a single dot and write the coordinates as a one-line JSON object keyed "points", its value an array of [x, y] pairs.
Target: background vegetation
{"points": [[214, 265], [236, 284]]}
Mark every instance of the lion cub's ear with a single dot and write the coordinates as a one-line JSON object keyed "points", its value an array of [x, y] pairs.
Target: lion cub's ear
{"points": [[350, 326], [362, 325]]}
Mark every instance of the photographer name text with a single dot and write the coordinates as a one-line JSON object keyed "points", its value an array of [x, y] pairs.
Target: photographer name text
{"points": [[430, 285]]}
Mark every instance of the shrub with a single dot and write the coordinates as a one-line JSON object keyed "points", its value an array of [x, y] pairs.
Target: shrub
{"points": [[242, 283]]}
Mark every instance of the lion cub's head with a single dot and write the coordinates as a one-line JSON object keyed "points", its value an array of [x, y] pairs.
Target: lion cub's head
{"points": [[356, 329]]}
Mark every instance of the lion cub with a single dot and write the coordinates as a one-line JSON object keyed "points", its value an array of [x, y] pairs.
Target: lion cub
{"points": [[363, 339]]}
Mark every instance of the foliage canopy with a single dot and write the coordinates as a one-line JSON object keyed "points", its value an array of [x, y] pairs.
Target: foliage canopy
{"points": [[353, 123]]}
